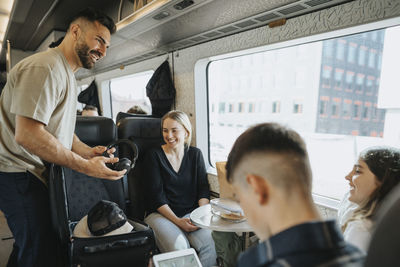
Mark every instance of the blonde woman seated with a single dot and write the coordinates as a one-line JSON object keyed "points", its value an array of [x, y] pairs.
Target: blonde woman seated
{"points": [[375, 174], [176, 185]]}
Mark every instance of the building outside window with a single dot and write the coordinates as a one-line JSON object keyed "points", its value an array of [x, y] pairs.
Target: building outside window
{"points": [[241, 107], [338, 78], [356, 110], [323, 106], [374, 36], [351, 56], [231, 108], [361, 55], [366, 111], [349, 79], [340, 49], [221, 107], [332, 122], [371, 59], [326, 75], [251, 107], [370, 85], [377, 82], [335, 107], [346, 108], [328, 48], [375, 113], [297, 107], [276, 107], [379, 65], [360, 82]]}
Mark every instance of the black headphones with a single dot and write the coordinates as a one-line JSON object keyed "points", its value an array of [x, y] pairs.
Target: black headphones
{"points": [[123, 163]]}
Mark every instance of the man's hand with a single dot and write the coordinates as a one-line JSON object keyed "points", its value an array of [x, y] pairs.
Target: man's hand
{"points": [[96, 167], [99, 150], [88, 152]]}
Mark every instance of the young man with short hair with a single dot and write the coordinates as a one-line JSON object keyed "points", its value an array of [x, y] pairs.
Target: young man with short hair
{"points": [[269, 169]]}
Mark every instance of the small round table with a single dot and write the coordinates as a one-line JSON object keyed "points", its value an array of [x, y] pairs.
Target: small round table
{"points": [[204, 218]]}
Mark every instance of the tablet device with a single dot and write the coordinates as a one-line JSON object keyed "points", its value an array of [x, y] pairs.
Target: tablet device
{"points": [[179, 258]]}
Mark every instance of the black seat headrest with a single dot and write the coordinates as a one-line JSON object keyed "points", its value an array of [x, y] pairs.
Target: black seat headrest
{"points": [[144, 132], [143, 127], [122, 115], [95, 131]]}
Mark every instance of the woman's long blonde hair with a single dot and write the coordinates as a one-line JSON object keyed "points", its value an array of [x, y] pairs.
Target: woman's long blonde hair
{"points": [[183, 120]]}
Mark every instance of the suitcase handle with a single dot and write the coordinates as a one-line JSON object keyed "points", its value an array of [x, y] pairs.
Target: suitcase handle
{"points": [[124, 243]]}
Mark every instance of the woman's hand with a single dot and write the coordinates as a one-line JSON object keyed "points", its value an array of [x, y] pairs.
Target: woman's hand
{"points": [[183, 223], [186, 225], [203, 201]]}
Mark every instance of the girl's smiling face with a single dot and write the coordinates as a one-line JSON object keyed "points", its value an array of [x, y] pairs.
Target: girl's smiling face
{"points": [[174, 133], [362, 182]]}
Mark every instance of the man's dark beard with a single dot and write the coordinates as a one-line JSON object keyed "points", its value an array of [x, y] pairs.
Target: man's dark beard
{"points": [[82, 50]]}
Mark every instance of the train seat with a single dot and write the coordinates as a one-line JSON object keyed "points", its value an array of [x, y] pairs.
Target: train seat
{"points": [[73, 194], [145, 132]]}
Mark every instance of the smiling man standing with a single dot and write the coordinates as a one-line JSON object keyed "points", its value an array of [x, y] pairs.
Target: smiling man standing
{"points": [[38, 114]]}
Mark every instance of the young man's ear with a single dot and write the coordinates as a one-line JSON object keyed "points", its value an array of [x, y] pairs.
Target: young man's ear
{"points": [[260, 187], [75, 31]]}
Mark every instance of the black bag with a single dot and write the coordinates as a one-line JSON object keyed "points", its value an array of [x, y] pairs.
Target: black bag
{"points": [[90, 96], [161, 90]]}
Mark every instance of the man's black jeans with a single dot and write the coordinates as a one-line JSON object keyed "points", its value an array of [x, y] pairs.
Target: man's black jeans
{"points": [[24, 200]]}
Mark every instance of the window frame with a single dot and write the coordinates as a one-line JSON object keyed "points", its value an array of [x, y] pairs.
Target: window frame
{"points": [[201, 67]]}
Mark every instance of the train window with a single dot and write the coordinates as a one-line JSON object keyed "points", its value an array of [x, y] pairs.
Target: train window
{"points": [[128, 91], [337, 93]]}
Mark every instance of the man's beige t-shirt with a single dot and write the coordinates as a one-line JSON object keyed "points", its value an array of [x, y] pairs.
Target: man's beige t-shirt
{"points": [[41, 87]]}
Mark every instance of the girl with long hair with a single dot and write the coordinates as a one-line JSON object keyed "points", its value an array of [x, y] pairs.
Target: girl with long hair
{"points": [[375, 174]]}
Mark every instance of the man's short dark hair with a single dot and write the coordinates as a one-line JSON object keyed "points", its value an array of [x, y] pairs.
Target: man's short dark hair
{"points": [[265, 138], [93, 15]]}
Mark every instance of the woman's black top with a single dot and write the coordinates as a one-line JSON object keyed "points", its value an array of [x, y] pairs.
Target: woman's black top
{"points": [[180, 190]]}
